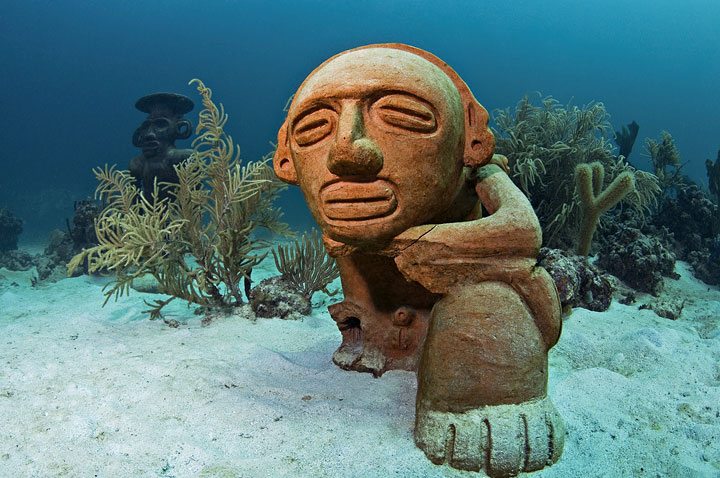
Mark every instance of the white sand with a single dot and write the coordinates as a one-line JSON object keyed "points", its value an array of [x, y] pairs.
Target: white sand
{"points": [[87, 391]]}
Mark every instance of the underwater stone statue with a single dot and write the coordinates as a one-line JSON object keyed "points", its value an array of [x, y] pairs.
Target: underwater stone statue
{"points": [[394, 157], [156, 137]]}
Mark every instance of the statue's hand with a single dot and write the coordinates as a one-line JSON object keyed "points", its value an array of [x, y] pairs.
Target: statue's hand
{"points": [[501, 161]]}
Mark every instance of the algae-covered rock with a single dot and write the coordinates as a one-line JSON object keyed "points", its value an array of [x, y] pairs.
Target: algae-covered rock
{"points": [[638, 258], [278, 297], [579, 283]]}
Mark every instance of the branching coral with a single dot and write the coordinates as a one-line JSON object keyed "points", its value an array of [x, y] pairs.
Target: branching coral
{"points": [[306, 265], [544, 143], [595, 201], [198, 246]]}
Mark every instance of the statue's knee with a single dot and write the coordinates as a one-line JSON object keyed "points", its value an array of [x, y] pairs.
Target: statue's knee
{"points": [[483, 347], [489, 311]]}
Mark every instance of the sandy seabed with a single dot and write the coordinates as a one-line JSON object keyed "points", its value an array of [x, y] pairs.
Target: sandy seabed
{"points": [[87, 391]]}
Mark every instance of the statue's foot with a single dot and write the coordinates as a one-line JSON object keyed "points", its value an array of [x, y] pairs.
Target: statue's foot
{"points": [[501, 440], [349, 357]]}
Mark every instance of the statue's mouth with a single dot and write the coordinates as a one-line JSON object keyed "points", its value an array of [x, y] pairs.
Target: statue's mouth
{"points": [[152, 144], [357, 201]]}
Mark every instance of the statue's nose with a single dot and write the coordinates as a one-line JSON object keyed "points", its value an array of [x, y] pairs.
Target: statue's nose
{"points": [[149, 133], [353, 153]]}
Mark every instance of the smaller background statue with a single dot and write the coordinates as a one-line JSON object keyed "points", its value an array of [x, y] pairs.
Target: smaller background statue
{"points": [[156, 137]]}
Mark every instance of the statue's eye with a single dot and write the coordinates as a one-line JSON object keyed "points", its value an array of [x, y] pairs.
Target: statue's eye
{"points": [[313, 127], [161, 123], [405, 112]]}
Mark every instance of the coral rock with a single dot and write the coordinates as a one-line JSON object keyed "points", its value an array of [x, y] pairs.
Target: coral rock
{"points": [[579, 283], [278, 297], [640, 260], [17, 260], [665, 308]]}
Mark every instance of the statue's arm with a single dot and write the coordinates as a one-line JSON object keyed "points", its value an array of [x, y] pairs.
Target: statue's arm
{"points": [[502, 246], [177, 156], [510, 229]]}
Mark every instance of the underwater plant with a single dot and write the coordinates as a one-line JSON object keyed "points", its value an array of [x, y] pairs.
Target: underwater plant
{"points": [[544, 142], [198, 245], [664, 153], [305, 268], [625, 138], [713, 174], [306, 265]]}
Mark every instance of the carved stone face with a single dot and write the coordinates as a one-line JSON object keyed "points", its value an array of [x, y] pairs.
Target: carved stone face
{"points": [[163, 125], [376, 137], [155, 135]]}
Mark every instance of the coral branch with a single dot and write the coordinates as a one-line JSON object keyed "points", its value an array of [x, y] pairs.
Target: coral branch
{"points": [[588, 183]]}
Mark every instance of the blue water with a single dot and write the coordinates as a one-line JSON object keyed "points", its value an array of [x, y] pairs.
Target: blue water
{"points": [[71, 71]]}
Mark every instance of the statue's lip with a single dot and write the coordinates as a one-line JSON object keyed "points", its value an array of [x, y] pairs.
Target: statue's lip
{"points": [[356, 200]]}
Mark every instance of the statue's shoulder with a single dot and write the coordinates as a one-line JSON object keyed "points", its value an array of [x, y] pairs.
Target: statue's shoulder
{"points": [[136, 163], [175, 156]]}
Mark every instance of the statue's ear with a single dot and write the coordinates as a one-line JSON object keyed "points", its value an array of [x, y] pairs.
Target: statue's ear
{"points": [[283, 163], [479, 141], [136, 138], [183, 128]]}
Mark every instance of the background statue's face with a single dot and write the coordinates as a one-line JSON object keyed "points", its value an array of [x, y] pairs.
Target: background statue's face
{"points": [[377, 139], [155, 135]]}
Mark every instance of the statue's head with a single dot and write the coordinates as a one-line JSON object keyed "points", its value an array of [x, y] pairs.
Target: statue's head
{"points": [[164, 124], [380, 139]]}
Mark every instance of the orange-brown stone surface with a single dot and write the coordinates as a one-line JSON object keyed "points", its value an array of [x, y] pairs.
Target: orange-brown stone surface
{"points": [[436, 249]]}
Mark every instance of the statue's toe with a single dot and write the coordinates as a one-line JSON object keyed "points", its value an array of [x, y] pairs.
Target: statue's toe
{"points": [[501, 440]]}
